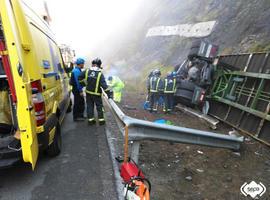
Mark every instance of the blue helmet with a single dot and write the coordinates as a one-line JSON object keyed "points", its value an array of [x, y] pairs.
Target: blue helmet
{"points": [[80, 61], [174, 74]]}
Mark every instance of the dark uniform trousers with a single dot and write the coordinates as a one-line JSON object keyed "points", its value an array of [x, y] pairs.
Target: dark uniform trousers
{"points": [[154, 86], [154, 98], [94, 81], [92, 101], [169, 89], [168, 102], [79, 104]]}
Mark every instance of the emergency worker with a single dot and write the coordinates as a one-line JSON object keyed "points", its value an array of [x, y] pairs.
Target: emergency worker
{"points": [[169, 90], [151, 74], [116, 85], [94, 81], [77, 90], [154, 86]]}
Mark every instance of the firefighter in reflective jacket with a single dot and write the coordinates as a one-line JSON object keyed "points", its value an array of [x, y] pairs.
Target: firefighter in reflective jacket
{"points": [[94, 81], [169, 90], [154, 87]]}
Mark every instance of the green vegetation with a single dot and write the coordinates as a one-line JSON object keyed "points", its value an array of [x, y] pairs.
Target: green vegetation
{"points": [[138, 83], [260, 47], [227, 50]]}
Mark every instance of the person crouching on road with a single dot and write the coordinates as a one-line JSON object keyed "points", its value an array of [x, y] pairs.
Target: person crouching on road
{"points": [[94, 81], [116, 85], [77, 90], [169, 90], [154, 86]]}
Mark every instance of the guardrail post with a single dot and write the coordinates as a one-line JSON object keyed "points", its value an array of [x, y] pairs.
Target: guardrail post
{"points": [[135, 151]]}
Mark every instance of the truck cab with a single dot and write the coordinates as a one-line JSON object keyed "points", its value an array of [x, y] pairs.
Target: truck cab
{"points": [[195, 74]]}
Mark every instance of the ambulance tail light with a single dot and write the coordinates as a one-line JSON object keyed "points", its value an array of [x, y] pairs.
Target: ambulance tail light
{"points": [[38, 101]]}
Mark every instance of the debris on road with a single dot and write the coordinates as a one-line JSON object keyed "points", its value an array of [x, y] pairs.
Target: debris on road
{"points": [[234, 132], [199, 152], [189, 178], [163, 121], [200, 170], [129, 107], [258, 153], [236, 154]]}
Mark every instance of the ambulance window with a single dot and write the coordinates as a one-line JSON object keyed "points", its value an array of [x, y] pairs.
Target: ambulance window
{"points": [[60, 69]]}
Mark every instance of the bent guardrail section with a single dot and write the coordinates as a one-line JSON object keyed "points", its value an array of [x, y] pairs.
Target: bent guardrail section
{"points": [[145, 130]]}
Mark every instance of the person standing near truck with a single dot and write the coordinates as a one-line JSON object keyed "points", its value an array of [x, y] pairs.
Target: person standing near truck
{"points": [[147, 102], [154, 86], [94, 81], [77, 90], [169, 90]]}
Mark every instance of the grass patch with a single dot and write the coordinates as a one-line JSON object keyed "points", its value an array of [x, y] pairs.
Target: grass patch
{"points": [[260, 47], [138, 83]]}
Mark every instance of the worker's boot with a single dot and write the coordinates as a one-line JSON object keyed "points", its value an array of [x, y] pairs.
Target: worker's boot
{"points": [[91, 122], [101, 122]]}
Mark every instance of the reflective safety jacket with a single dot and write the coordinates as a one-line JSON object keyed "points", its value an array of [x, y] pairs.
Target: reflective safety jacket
{"points": [[116, 84], [93, 80], [155, 84], [169, 85]]}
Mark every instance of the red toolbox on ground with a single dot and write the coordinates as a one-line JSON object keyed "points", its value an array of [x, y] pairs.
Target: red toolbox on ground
{"points": [[130, 170]]}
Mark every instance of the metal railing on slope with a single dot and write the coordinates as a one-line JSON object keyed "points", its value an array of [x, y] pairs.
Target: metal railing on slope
{"points": [[145, 130]]}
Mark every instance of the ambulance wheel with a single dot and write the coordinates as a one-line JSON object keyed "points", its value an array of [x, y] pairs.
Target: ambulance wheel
{"points": [[55, 147], [69, 109]]}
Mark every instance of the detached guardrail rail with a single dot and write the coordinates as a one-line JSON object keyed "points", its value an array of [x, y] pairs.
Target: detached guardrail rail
{"points": [[145, 130]]}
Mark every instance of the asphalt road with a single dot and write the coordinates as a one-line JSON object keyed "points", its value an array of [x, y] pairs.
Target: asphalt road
{"points": [[83, 170]]}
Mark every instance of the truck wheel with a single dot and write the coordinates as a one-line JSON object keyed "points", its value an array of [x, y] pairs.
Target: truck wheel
{"points": [[69, 109], [55, 147]]}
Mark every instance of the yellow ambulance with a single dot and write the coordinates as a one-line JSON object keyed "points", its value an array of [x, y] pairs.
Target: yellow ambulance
{"points": [[34, 94]]}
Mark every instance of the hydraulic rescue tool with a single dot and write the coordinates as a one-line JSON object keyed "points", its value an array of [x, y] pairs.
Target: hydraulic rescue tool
{"points": [[137, 187]]}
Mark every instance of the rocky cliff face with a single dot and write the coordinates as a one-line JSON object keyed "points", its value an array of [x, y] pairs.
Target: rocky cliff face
{"points": [[242, 26]]}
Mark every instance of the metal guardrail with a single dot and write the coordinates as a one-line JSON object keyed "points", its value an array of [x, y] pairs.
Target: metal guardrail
{"points": [[145, 130]]}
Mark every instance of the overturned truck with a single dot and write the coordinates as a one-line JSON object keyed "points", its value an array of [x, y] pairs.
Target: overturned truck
{"points": [[233, 88], [195, 75]]}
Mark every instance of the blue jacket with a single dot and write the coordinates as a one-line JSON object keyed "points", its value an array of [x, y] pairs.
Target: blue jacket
{"points": [[76, 72]]}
